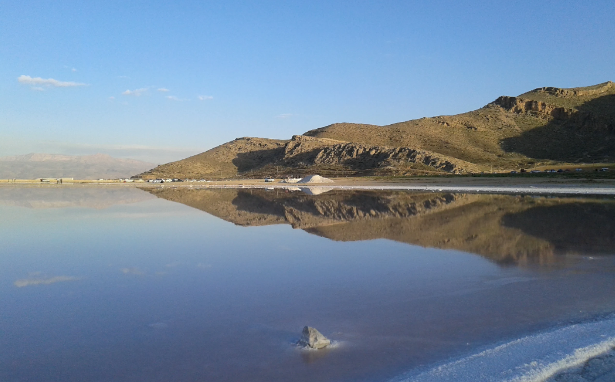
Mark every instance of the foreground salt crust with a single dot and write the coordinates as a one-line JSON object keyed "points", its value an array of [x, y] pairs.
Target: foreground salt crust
{"points": [[547, 356], [597, 369]]}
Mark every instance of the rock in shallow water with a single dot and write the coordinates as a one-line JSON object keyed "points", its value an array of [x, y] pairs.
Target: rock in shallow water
{"points": [[312, 338]]}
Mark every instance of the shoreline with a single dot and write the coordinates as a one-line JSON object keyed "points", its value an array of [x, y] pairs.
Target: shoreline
{"points": [[575, 352], [538, 186], [452, 189]]}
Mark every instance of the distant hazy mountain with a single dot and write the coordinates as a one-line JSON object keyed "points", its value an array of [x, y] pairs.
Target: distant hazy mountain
{"points": [[96, 166]]}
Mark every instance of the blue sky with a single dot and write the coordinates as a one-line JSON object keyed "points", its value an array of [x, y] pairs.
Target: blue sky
{"points": [[159, 81]]}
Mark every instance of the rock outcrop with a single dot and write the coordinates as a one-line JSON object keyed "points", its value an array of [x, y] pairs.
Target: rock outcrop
{"points": [[577, 92], [304, 151], [540, 109], [521, 105], [313, 339]]}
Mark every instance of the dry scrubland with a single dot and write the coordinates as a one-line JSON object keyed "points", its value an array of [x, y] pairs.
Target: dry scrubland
{"points": [[544, 128]]}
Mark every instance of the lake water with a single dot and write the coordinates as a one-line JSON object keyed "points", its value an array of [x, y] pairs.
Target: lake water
{"points": [[108, 283]]}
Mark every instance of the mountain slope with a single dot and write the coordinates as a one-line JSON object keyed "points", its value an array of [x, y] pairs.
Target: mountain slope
{"points": [[544, 125], [240, 155]]}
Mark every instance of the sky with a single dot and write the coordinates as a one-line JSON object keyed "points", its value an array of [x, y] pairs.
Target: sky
{"points": [[160, 81]]}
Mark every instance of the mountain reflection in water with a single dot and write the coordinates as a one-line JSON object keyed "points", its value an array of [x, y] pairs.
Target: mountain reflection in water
{"points": [[70, 196], [114, 284], [503, 228]]}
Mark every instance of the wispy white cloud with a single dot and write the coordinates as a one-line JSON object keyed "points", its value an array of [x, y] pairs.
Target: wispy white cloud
{"points": [[38, 88], [205, 97], [73, 70], [123, 77], [43, 281], [136, 92], [132, 271], [163, 90], [175, 98], [284, 116], [38, 81]]}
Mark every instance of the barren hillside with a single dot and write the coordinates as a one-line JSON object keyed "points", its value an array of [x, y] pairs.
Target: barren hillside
{"points": [[545, 125]]}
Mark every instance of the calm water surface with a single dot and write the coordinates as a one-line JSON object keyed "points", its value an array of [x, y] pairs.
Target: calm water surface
{"points": [[123, 284]]}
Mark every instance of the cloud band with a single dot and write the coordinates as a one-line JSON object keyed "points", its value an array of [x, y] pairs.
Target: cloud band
{"points": [[38, 81]]}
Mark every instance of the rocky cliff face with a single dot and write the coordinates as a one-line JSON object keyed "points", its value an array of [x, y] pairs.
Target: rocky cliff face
{"points": [[520, 105], [599, 89], [308, 151], [574, 117]]}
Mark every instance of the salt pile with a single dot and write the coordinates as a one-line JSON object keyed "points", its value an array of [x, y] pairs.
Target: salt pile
{"points": [[315, 190], [291, 180], [315, 179]]}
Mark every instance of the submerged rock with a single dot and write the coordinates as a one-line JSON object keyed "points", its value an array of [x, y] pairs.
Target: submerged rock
{"points": [[312, 338]]}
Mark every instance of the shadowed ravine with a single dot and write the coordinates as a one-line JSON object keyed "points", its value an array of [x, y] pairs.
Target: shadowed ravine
{"points": [[505, 229]]}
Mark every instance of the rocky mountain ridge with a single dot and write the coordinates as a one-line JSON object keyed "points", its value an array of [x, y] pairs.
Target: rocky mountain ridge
{"points": [[545, 125]]}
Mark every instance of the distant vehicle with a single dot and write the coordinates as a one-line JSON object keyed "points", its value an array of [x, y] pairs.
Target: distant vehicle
{"points": [[269, 179], [604, 169], [578, 169], [535, 171], [560, 170], [513, 172]]}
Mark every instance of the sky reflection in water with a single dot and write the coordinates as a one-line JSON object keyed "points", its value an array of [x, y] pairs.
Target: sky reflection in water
{"points": [[123, 285]]}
